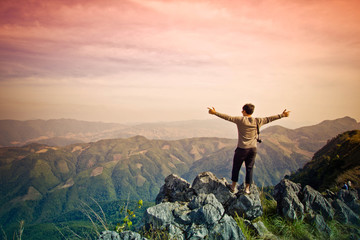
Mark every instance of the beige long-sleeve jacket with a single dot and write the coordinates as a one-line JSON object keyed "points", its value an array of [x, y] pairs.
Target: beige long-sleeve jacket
{"points": [[247, 132]]}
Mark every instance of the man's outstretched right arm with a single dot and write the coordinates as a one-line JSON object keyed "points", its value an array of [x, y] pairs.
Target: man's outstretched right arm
{"points": [[221, 115]]}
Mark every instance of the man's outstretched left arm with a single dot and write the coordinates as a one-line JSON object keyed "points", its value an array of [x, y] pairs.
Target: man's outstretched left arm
{"points": [[266, 120]]}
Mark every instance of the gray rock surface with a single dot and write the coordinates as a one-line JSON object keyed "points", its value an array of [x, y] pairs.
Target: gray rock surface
{"points": [[350, 198], [202, 217], [344, 214], [204, 209], [319, 222], [207, 183], [288, 202], [314, 201], [126, 235], [175, 189], [294, 202], [246, 205], [109, 235]]}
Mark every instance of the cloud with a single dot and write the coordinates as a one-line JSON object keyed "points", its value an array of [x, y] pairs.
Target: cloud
{"points": [[132, 53]]}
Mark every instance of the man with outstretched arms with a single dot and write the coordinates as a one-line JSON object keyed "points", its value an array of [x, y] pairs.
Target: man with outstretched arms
{"points": [[247, 140]]}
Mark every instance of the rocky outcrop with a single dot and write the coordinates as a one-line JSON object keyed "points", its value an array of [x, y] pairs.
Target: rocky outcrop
{"points": [[175, 189], [286, 193], [319, 222], [202, 217], [344, 213], [350, 198], [203, 209], [245, 205], [294, 202], [207, 183], [314, 201]]}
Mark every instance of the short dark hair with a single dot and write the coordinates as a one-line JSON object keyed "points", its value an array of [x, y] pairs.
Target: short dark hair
{"points": [[249, 108]]}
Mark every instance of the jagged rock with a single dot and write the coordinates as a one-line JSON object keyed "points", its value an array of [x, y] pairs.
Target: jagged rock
{"points": [[258, 227], [206, 209], [177, 189], [329, 195], [130, 235], [314, 201], [126, 235], [350, 198], [174, 189], [318, 221], [207, 183], [227, 228], [344, 213], [203, 217], [246, 205], [347, 195], [109, 235], [260, 230], [161, 214], [288, 202]]}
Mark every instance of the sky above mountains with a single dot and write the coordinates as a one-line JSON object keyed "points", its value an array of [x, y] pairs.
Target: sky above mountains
{"points": [[147, 60]]}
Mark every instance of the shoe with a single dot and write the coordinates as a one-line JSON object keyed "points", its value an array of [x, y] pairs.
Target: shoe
{"points": [[233, 190]]}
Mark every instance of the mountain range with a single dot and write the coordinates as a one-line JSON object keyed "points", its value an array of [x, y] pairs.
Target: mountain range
{"points": [[40, 182], [62, 132]]}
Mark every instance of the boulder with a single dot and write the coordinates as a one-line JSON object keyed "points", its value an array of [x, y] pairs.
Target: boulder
{"points": [[202, 217], [130, 235], [247, 206], [314, 201], [329, 195], [319, 223], [207, 183], [344, 214], [206, 209], [161, 214], [126, 235], [175, 189], [350, 198], [288, 202], [109, 235]]}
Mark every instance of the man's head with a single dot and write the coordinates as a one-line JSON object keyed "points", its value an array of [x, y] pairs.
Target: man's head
{"points": [[248, 108]]}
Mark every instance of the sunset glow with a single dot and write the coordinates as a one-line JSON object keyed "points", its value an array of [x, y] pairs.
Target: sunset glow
{"points": [[152, 60]]}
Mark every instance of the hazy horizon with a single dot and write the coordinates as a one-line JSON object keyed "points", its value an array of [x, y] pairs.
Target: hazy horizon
{"points": [[162, 61], [287, 122]]}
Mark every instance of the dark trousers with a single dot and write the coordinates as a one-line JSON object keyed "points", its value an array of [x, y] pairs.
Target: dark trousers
{"points": [[248, 155]]}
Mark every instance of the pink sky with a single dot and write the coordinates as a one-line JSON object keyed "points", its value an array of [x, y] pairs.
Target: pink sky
{"points": [[144, 61]]}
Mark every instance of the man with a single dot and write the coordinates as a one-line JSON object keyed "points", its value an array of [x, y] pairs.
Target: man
{"points": [[247, 137]]}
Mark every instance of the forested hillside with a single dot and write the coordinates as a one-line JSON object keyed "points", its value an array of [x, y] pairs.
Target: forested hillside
{"points": [[334, 164]]}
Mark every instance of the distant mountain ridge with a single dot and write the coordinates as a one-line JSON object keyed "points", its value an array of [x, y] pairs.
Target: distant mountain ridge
{"points": [[62, 132], [52, 132]]}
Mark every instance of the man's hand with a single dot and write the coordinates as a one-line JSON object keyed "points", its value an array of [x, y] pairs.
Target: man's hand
{"points": [[212, 110], [286, 113]]}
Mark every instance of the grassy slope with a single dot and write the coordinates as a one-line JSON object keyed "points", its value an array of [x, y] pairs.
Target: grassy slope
{"points": [[337, 162]]}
